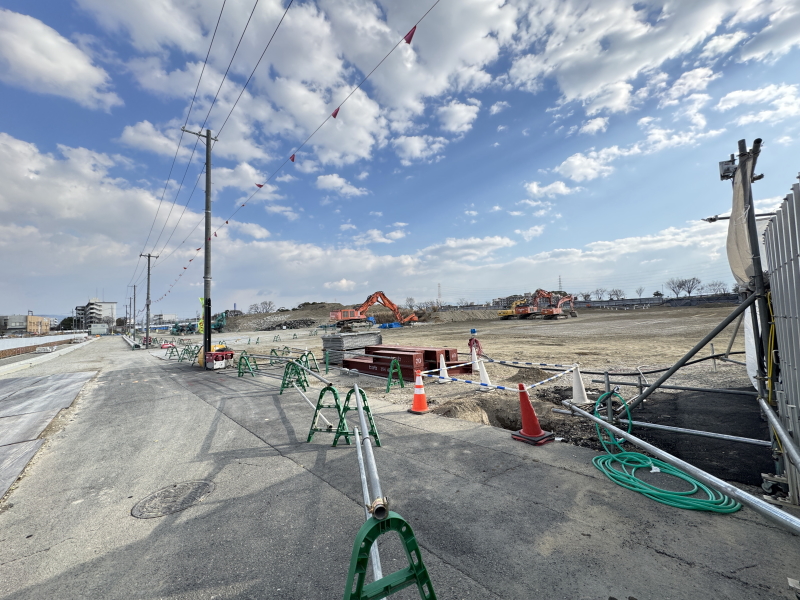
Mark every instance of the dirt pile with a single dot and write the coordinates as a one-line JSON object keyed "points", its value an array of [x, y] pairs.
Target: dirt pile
{"points": [[295, 324]]}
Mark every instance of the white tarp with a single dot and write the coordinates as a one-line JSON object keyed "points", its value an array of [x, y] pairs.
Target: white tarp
{"points": [[740, 257]]}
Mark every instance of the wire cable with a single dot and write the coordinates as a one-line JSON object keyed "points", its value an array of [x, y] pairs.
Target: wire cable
{"points": [[180, 140]]}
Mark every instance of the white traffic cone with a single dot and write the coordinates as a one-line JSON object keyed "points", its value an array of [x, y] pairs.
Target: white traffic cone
{"points": [[443, 370], [484, 377], [475, 370], [578, 391]]}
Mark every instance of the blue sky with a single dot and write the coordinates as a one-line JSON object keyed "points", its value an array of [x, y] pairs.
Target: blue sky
{"points": [[509, 144]]}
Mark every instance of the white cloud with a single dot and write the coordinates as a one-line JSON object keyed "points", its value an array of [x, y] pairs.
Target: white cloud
{"points": [[722, 44], [398, 224], [496, 208], [783, 99], [375, 213], [252, 229], [456, 117], [785, 140], [593, 164], [346, 226], [285, 211], [471, 213], [362, 176], [515, 213], [286, 178], [145, 136], [417, 147], [501, 128], [396, 235], [466, 249], [557, 188], [35, 57], [593, 126], [691, 81], [375, 236], [529, 234], [344, 285], [340, 185], [778, 37], [498, 107]]}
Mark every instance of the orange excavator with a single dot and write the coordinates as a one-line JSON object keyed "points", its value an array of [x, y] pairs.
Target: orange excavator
{"points": [[554, 311], [359, 313]]}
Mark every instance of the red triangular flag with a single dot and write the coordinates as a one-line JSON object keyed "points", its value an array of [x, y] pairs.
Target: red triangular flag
{"points": [[291, 158], [215, 234], [410, 35], [226, 222], [242, 205], [336, 112], [199, 248], [259, 185]]}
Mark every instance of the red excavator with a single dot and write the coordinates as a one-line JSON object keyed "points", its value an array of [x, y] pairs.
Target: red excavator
{"points": [[359, 313]]}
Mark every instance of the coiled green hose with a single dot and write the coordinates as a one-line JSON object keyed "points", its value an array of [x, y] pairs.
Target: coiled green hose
{"points": [[621, 466]]}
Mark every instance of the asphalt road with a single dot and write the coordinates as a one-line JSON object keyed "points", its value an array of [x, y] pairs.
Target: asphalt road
{"points": [[494, 518]]}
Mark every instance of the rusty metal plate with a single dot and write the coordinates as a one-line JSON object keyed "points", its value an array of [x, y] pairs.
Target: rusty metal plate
{"points": [[172, 499]]}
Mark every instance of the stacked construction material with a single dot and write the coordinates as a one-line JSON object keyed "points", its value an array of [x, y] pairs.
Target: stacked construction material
{"points": [[378, 359], [342, 345]]}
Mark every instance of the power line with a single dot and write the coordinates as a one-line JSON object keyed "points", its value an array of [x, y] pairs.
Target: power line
{"points": [[407, 38], [230, 112], [180, 140]]}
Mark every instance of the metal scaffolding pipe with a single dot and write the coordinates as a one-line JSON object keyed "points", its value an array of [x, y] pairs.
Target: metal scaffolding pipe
{"points": [[379, 508], [311, 404], [708, 434], [637, 400], [377, 571], [789, 444], [764, 508], [685, 388]]}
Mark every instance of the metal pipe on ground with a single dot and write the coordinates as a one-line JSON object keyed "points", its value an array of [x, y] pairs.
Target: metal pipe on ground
{"points": [[789, 444], [379, 509], [377, 571], [686, 388], [708, 434], [636, 401], [760, 506]]}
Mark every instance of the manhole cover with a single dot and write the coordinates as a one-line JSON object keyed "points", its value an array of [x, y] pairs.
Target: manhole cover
{"points": [[172, 499]]}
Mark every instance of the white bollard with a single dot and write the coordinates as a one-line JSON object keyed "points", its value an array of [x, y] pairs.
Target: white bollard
{"points": [[443, 370]]}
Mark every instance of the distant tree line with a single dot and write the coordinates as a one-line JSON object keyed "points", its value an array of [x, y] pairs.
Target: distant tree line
{"points": [[691, 285]]}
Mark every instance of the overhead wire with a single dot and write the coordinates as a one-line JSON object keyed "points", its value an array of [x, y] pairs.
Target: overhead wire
{"points": [[208, 114], [298, 148], [230, 112], [180, 141]]}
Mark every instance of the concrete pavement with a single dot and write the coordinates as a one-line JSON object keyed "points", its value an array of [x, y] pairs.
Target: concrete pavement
{"points": [[494, 518]]}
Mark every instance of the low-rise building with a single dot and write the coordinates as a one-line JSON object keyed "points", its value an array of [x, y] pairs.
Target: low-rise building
{"points": [[24, 324], [37, 325]]}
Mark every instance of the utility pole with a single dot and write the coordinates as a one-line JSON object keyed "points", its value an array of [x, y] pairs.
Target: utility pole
{"points": [[207, 269], [134, 315], [147, 302]]}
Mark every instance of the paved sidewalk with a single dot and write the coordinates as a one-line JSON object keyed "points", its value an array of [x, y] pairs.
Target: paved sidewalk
{"points": [[494, 518]]}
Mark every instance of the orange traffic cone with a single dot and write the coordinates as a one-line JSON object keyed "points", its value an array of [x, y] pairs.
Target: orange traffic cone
{"points": [[420, 404], [531, 432]]}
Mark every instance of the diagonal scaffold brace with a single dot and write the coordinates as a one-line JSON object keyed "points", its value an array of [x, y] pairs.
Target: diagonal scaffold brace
{"points": [[341, 428]]}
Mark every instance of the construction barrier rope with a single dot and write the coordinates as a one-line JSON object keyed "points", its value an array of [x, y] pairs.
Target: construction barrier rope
{"points": [[500, 387], [621, 466]]}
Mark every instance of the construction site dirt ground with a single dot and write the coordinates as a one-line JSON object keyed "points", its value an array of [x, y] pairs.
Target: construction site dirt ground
{"points": [[494, 518], [598, 339]]}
